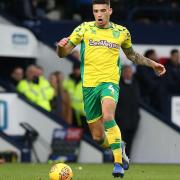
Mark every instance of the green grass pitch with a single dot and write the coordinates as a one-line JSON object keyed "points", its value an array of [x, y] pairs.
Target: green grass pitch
{"points": [[90, 172]]}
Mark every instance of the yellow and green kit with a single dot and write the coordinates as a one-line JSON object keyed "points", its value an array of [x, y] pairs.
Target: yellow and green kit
{"points": [[100, 61]]}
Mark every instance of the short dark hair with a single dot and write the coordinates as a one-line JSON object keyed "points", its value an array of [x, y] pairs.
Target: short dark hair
{"points": [[76, 65], [174, 51], [101, 2], [149, 52]]}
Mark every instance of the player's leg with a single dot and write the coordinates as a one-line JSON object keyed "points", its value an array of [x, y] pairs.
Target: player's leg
{"points": [[97, 131], [113, 134], [109, 98], [92, 106]]}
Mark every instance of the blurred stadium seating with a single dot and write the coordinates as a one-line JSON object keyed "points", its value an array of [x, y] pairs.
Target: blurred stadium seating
{"points": [[145, 11]]}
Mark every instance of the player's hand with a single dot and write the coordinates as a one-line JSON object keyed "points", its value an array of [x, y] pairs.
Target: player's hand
{"points": [[159, 69], [63, 42]]}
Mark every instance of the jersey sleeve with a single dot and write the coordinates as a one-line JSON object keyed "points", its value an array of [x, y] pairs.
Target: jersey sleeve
{"points": [[77, 35], [127, 42]]}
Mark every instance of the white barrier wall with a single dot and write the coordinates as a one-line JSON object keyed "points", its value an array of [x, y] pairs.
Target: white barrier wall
{"points": [[19, 111], [48, 59], [17, 42], [175, 110], [155, 142]]}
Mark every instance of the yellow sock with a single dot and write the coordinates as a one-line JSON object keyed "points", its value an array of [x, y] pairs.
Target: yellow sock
{"points": [[114, 138]]}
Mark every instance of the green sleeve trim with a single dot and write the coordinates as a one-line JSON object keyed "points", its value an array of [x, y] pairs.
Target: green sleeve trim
{"points": [[115, 146], [109, 124], [126, 47], [70, 42], [82, 52]]}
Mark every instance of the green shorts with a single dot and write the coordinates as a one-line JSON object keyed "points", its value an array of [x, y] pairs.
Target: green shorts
{"points": [[93, 97]]}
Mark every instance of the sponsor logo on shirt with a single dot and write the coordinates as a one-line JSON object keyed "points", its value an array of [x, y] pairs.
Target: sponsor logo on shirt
{"points": [[103, 43]]}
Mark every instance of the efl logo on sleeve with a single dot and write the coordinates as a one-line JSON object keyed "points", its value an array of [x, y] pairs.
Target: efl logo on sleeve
{"points": [[3, 115]]}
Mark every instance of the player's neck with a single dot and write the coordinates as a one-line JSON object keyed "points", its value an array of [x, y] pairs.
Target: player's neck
{"points": [[105, 26]]}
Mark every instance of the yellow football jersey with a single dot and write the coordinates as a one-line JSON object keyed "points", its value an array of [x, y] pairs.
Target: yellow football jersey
{"points": [[100, 60]]}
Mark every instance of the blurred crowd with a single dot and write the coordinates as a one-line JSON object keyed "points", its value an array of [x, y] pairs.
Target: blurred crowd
{"points": [[59, 95], [146, 11], [157, 91], [47, 93]]}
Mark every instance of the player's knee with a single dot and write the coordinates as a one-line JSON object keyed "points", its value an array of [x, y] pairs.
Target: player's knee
{"points": [[108, 116]]}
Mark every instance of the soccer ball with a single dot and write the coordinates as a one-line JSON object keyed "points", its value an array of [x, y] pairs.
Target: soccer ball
{"points": [[60, 171]]}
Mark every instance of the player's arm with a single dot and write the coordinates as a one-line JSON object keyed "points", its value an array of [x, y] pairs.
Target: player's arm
{"points": [[64, 47], [140, 59]]}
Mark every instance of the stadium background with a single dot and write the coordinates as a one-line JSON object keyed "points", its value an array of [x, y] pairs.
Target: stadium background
{"points": [[29, 30]]}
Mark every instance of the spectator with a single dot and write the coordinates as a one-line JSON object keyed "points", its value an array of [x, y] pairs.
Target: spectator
{"points": [[127, 111], [44, 84], [149, 82], [16, 76], [171, 82], [40, 70], [172, 76], [61, 104], [147, 77], [73, 85], [38, 93]]}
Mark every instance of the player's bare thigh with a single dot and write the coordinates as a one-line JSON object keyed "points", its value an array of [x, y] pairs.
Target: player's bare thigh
{"points": [[108, 109], [97, 129]]}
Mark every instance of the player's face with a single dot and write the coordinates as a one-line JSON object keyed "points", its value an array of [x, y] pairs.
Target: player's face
{"points": [[175, 58], [18, 74], [102, 13]]}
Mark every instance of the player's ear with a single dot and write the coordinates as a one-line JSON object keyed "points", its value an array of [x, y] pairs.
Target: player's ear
{"points": [[110, 11]]}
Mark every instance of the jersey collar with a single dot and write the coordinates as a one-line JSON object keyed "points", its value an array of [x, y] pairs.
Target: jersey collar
{"points": [[110, 26]]}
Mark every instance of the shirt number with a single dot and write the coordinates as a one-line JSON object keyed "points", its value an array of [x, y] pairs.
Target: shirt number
{"points": [[111, 88]]}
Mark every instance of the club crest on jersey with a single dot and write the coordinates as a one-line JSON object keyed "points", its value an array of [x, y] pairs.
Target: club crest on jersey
{"points": [[116, 34], [93, 31]]}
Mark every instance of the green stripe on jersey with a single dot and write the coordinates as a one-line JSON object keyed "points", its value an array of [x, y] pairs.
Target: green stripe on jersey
{"points": [[82, 52]]}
